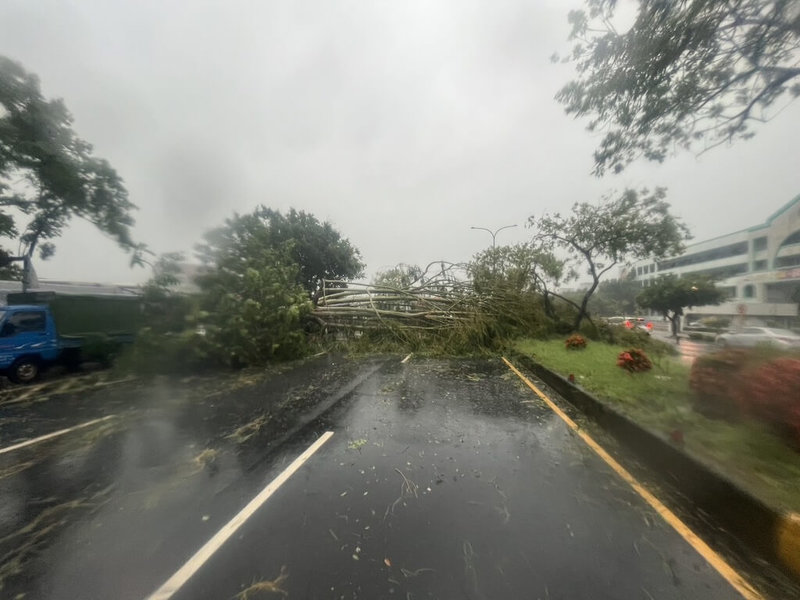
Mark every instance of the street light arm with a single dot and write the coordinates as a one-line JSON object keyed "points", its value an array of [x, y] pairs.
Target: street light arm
{"points": [[495, 232], [504, 227]]}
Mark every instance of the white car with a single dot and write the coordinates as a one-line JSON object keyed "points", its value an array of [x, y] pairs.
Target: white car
{"points": [[752, 336]]}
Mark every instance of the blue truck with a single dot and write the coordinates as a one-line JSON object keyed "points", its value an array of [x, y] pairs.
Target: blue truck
{"points": [[31, 342]]}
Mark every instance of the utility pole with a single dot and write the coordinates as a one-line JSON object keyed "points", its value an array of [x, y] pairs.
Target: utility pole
{"points": [[494, 233]]}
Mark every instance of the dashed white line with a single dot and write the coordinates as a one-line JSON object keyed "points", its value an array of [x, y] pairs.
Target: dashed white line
{"points": [[54, 434], [182, 575]]}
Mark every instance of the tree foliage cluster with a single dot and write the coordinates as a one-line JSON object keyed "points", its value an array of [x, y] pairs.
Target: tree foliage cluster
{"points": [[261, 274], [596, 238], [48, 175], [685, 74], [517, 284], [669, 295]]}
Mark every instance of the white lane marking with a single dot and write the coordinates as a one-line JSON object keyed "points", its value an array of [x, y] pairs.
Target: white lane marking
{"points": [[54, 434], [406, 359], [182, 575]]}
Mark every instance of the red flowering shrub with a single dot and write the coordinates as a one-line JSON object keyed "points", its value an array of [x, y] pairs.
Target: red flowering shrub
{"points": [[634, 361], [771, 393], [760, 384], [575, 342], [715, 379]]}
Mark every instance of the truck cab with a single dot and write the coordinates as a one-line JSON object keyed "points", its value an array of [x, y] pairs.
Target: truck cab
{"points": [[29, 342]]}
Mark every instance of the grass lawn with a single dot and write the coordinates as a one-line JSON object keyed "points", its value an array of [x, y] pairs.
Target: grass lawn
{"points": [[660, 399]]}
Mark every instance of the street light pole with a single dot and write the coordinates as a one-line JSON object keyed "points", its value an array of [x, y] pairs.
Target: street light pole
{"points": [[494, 233]]}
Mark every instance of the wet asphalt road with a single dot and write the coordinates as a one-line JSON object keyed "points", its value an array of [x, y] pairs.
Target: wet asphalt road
{"points": [[443, 479]]}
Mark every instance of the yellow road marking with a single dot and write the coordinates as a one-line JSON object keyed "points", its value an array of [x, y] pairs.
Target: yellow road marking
{"points": [[714, 559], [789, 541]]}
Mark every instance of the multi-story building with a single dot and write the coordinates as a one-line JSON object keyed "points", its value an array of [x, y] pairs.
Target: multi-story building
{"points": [[758, 267]]}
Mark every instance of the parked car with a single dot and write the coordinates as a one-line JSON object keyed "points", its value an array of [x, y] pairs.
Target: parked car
{"points": [[752, 336], [635, 323]]}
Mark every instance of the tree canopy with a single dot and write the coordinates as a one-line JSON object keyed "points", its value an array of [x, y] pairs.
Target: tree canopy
{"points": [[670, 294], [317, 249], [685, 74], [48, 175], [596, 238]]}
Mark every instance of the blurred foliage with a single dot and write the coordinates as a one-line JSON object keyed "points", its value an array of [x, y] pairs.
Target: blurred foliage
{"points": [[761, 383], [770, 393], [164, 309], [256, 315], [159, 353], [49, 175]]}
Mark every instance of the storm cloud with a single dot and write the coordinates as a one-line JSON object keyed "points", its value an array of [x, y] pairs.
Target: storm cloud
{"points": [[402, 123]]}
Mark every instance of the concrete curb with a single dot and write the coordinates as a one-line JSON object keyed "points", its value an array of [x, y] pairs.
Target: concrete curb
{"points": [[772, 533]]}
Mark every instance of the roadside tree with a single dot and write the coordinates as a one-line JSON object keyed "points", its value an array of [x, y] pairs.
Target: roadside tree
{"points": [[684, 74], [669, 295], [630, 226], [260, 273], [48, 175], [317, 249]]}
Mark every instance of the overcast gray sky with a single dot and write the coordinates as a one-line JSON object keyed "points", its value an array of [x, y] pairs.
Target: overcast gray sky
{"points": [[402, 123]]}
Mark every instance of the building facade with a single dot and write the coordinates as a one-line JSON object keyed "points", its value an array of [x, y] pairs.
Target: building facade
{"points": [[759, 268]]}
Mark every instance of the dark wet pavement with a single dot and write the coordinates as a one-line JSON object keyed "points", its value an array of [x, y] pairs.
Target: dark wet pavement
{"points": [[444, 479]]}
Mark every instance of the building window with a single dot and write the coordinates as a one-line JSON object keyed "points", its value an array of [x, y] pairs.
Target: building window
{"points": [[760, 265], [792, 260], [749, 291], [705, 256], [722, 272], [728, 291], [759, 244]]}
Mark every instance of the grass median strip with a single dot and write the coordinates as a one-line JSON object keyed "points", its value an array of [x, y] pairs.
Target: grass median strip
{"points": [[660, 399]]}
